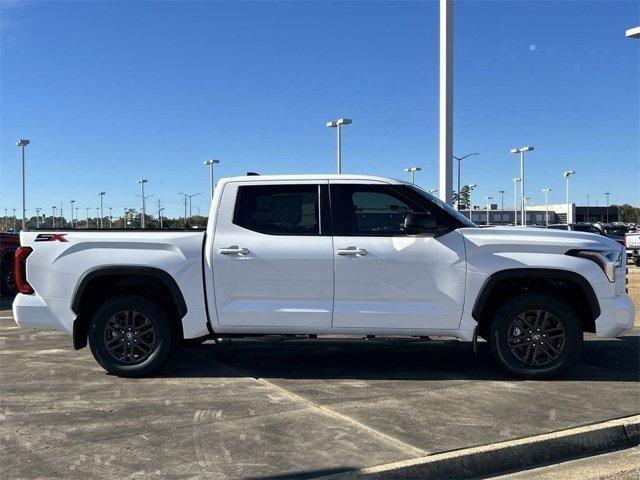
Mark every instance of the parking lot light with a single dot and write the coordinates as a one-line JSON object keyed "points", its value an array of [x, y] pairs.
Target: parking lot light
{"points": [[23, 143], [515, 201], [211, 163], [488, 208], [501, 192], [567, 175], [607, 195], [459, 159], [521, 151], [337, 124], [546, 191], [142, 181], [101, 194], [412, 173]]}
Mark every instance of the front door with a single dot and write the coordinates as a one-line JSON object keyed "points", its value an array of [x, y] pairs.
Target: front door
{"points": [[384, 278], [273, 256]]}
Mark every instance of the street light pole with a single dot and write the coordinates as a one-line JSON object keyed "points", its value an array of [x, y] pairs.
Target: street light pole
{"points": [[521, 151], [459, 159], [142, 182], [37, 218], [87, 218], [72, 202], [102, 194], [53, 217], [588, 202], [412, 173], [337, 124], [568, 174], [23, 143], [185, 203], [14, 219], [488, 208], [501, 192], [110, 218], [546, 191], [211, 163], [607, 194], [515, 201]]}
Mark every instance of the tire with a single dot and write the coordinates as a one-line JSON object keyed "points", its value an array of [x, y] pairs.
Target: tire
{"points": [[7, 283], [142, 345], [520, 351]]}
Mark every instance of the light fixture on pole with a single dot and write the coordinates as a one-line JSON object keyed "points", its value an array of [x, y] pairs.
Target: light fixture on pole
{"points": [[23, 143], [72, 202], [211, 163], [607, 195], [567, 175], [459, 159], [77, 219], [124, 218], [110, 218], [471, 186], [53, 217], [337, 124], [142, 181], [515, 201], [412, 173], [588, 205], [102, 194], [521, 151], [546, 191], [14, 219], [37, 218], [186, 195], [501, 192], [488, 208], [87, 218]]}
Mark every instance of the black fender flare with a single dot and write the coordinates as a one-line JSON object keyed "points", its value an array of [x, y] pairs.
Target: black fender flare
{"points": [[79, 333], [552, 273]]}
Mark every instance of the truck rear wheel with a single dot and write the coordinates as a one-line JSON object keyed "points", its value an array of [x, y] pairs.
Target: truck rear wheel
{"points": [[536, 336], [130, 336]]}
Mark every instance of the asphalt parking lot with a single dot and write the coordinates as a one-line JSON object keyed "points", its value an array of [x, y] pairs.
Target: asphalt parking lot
{"points": [[295, 409]]}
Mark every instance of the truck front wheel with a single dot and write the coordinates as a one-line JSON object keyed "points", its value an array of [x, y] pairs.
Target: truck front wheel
{"points": [[130, 336], [536, 336]]}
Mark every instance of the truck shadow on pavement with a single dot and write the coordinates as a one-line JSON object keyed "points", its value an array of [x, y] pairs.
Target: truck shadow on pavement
{"points": [[601, 360]]}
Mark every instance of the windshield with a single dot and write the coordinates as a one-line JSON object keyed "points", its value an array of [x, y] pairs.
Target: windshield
{"points": [[447, 208]]}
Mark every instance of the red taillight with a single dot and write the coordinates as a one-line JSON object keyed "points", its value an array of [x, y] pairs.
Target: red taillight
{"points": [[20, 271]]}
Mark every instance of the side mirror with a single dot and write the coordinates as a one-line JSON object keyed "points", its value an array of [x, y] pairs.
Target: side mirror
{"points": [[420, 224]]}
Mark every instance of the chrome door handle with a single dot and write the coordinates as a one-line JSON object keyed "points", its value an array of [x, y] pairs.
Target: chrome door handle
{"points": [[352, 251], [234, 250]]}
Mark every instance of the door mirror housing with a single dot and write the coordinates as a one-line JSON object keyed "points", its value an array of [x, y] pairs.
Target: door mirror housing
{"points": [[421, 224]]}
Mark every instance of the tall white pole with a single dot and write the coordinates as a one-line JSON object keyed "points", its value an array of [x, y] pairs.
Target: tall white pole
{"points": [[72, 202], [339, 150], [524, 217], [53, 217], [515, 201], [446, 101]]}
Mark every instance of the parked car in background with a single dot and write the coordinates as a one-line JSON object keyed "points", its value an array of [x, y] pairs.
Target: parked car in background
{"points": [[324, 255], [577, 227], [632, 243], [9, 242]]}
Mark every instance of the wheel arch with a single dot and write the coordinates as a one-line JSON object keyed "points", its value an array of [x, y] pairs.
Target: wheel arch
{"points": [[99, 284], [501, 285]]}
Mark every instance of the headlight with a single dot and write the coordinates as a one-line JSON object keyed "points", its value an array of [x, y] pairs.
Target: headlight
{"points": [[607, 260]]}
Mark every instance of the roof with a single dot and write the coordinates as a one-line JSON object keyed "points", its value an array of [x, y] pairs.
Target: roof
{"points": [[303, 177]]}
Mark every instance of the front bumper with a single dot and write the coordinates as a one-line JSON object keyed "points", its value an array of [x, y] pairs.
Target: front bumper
{"points": [[617, 316], [34, 311]]}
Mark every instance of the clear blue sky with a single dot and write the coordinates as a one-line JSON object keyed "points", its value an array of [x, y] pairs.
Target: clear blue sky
{"points": [[109, 92]]}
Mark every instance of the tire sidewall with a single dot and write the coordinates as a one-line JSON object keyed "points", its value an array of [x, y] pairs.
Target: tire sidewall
{"points": [[164, 336], [561, 310]]}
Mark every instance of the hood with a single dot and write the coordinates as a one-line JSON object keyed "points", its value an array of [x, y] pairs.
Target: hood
{"points": [[538, 239]]}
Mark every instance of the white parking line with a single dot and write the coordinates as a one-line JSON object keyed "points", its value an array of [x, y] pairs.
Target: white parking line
{"points": [[327, 411]]}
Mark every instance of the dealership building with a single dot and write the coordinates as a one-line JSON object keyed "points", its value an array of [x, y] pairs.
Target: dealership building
{"points": [[535, 214]]}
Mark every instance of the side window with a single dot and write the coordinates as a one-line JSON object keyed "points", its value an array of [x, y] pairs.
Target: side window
{"points": [[372, 210], [278, 209]]}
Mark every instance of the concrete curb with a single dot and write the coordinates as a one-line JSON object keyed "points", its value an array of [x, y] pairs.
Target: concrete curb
{"points": [[510, 455]]}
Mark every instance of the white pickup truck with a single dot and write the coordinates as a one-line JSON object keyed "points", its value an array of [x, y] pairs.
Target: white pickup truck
{"points": [[323, 255]]}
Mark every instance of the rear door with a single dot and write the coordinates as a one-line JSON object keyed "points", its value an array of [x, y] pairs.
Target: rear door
{"points": [[273, 255], [384, 278]]}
